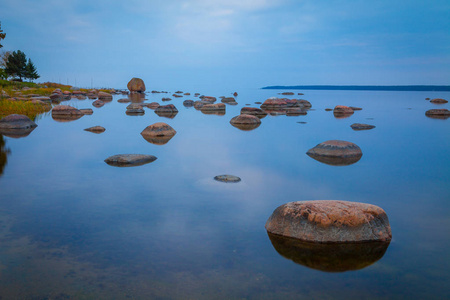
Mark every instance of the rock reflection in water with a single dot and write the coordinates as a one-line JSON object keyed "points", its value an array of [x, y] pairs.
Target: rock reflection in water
{"points": [[136, 97], [66, 118], [336, 161], [16, 132], [3, 154], [329, 257], [158, 140]]}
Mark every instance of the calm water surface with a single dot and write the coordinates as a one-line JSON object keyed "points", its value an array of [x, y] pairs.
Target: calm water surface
{"points": [[73, 227]]}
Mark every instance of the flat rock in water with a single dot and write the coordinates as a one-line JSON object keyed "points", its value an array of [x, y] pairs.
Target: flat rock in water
{"points": [[129, 160], [96, 129], [330, 221], [104, 96], [227, 178], [213, 107], [66, 110], [336, 153], [274, 103], [438, 113], [355, 108], [438, 101], [158, 133], [360, 126], [152, 105], [16, 121]]}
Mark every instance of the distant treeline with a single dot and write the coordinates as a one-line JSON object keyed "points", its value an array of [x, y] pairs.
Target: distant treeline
{"points": [[415, 88]]}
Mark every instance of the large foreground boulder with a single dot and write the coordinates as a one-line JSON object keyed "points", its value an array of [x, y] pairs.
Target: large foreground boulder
{"points": [[136, 85], [129, 160], [330, 221], [336, 152]]}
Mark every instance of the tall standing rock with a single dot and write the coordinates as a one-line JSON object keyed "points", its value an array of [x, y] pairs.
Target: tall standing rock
{"points": [[136, 85]]}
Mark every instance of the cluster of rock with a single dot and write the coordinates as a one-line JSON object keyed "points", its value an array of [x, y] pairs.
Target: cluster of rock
{"points": [[283, 106]]}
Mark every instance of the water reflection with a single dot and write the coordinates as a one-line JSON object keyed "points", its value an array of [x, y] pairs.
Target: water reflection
{"points": [[3, 154], [336, 160], [158, 140], [329, 257], [66, 118]]}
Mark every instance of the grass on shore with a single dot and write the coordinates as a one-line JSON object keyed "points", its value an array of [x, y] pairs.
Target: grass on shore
{"points": [[26, 108]]}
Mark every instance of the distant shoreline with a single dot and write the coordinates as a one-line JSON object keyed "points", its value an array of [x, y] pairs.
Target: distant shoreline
{"points": [[414, 88]]}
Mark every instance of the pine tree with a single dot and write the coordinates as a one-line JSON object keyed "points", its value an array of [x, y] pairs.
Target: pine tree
{"points": [[30, 71], [16, 64]]}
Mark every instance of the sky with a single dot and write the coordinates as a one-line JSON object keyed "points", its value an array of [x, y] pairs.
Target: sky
{"points": [[177, 44]]}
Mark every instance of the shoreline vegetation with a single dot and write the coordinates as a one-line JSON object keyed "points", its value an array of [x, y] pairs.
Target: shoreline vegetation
{"points": [[403, 88], [32, 99]]}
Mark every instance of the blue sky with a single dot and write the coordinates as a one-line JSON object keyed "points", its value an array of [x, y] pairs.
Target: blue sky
{"points": [[175, 44]]}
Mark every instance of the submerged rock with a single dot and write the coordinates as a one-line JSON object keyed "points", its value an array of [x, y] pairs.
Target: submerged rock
{"points": [[124, 100], [245, 122], [360, 126], [335, 257], [336, 153], [129, 160], [87, 111], [227, 178], [438, 113], [438, 101], [96, 129], [136, 85], [330, 221]]}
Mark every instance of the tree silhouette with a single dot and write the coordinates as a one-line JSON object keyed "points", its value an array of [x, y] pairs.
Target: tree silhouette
{"points": [[30, 71], [16, 64], [2, 35]]}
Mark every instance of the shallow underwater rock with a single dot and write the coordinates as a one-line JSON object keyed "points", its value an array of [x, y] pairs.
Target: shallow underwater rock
{"points": [[438, 101], [124, 100], [98, 103], [245, 122], [227, 178], [335, 257], [336, 153], [254, 111], [96, 129], [16, 126], [330, 221], [341, 112], [166, 99], [136, 85], [129, 160], [296, 111], [438, 113], [87, 111], [360, 126], [354, 108]]}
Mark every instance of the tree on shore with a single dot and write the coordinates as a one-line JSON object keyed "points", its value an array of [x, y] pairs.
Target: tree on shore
{"points": [[16, 65], [2, 35], [30, 71]]}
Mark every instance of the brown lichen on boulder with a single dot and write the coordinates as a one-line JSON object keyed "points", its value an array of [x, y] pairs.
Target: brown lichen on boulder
{"points": [[330, 221]]}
